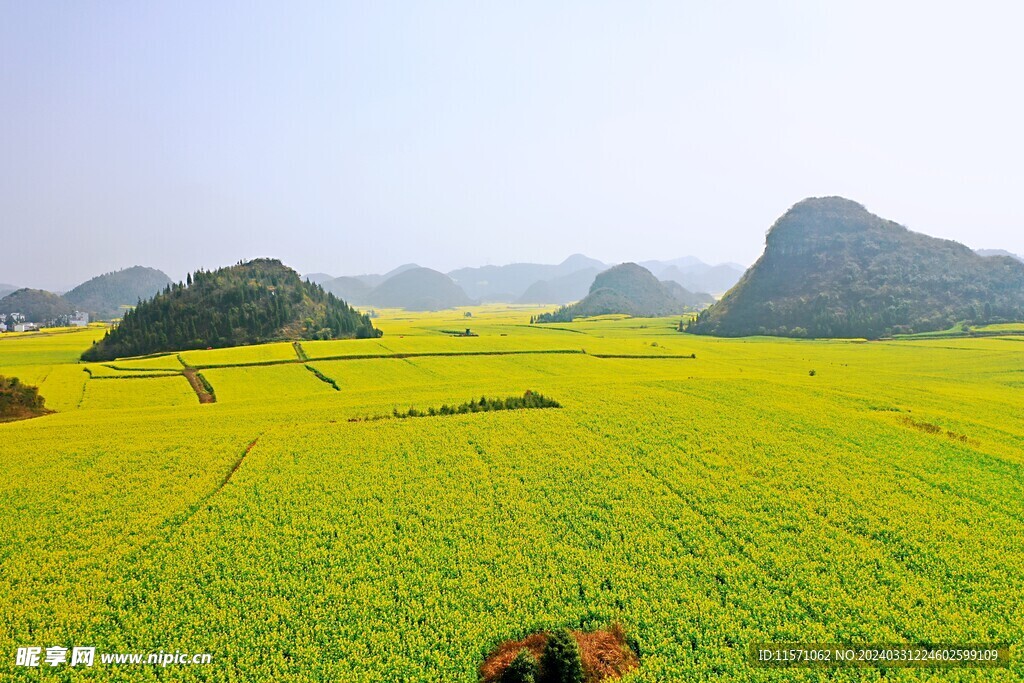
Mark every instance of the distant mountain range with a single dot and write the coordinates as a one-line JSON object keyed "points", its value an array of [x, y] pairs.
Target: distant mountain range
{"points": [[526, 283], [509, 283], [630, 289], [408, 286], [562, 289], [998, 252], [695, 275], [832, 269]]}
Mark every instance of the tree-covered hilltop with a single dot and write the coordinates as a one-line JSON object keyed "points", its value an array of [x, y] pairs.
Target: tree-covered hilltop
{"points": [[632, 290], [104, 295], [248, 303], [832, 269]]}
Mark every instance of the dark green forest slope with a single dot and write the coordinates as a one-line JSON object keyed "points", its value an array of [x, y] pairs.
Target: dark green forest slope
{"points": [[832, 269]]}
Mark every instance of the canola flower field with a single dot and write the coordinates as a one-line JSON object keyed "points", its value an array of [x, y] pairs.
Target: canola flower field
{"points": [[705, 493]]}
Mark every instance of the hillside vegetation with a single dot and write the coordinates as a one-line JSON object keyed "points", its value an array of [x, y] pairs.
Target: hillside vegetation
{"points": [[104, 295], [632, 290], [247, 303], [36, 305], [832, 269]]}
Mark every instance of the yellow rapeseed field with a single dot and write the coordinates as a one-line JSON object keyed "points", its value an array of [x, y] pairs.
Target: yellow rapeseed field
{"points": [[705, 493]]}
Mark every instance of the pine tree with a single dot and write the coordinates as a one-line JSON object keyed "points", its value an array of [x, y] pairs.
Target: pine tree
{"points": [[561, 661]]}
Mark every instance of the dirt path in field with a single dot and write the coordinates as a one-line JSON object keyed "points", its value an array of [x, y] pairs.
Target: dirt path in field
{"points": [[192, 375]]}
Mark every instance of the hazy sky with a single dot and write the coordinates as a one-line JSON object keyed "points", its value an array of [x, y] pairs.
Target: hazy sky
{"points": [[352, 137]]}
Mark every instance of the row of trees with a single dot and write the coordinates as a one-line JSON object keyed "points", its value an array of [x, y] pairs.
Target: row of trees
{"points": [[527, 400]]}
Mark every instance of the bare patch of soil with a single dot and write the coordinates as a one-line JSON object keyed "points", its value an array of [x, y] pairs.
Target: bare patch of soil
{"points": [[197, 386]]}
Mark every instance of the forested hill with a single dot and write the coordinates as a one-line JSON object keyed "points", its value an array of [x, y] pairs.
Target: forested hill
{"points": [[36, 305], [247, 303], [832, 269], [632, 290], [104, 295]]}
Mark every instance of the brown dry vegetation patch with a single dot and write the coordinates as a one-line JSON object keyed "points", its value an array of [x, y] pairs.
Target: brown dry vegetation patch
{"points": [[929, 428], [20, 401], [605, 653], [13, 414]]}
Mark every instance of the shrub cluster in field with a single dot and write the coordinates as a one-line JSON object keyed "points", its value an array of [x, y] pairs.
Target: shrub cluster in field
{"points": [[559, 663], [19, 400], [563, 656], [527, 400]]}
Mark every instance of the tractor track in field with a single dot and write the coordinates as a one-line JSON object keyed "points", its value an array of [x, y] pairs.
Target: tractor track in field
{"points": [[234, 468], [176, 522]]}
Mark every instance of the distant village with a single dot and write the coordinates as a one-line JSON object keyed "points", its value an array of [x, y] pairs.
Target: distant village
{"points": [[16, 322]]}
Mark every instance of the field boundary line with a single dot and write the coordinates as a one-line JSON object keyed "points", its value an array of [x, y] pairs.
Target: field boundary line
{"points": [[691, 356], [376, 356], [323, 378]]}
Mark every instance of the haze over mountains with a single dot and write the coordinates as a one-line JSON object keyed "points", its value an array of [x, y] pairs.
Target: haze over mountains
{"points": [[418, 289], [526, 283], [998, 252], [409, 286], [830, 269]]}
